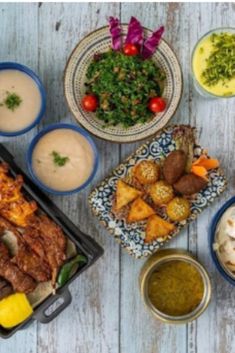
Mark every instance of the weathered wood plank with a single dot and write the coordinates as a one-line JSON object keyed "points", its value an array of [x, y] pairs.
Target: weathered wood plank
{"points": [[213, 332], [90, 324], [19, 43], [140, 332]]}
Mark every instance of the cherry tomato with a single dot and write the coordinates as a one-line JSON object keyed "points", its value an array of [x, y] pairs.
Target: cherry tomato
{"points": [[130, 49], [89, 103], [156, 104]]}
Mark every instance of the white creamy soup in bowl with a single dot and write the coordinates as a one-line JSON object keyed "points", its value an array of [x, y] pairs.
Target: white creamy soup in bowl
{"points": [[64, 160], [20, 100]]}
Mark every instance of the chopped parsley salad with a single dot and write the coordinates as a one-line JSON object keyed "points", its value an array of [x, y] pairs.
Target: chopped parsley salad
{"points": [[124, 85]]}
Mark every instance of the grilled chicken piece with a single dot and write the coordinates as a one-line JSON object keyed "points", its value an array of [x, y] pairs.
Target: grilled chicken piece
{"points": [[26, 259], [5, 225], [10, 188], [32, 237], [21, 282], [13, 205], [18, 212], [52, 240], [30, 263]]}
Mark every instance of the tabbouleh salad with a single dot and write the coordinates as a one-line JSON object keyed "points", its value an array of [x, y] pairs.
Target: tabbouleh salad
{"points": [[123, 85]]}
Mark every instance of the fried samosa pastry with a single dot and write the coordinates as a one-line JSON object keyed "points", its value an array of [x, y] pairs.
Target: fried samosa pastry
{"points": [[157, 227], [125, 194], [139, 211]]}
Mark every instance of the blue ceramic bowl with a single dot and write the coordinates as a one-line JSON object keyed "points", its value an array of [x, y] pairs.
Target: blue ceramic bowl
{"points": [[212, 233], [44, 132], [29, 72]]}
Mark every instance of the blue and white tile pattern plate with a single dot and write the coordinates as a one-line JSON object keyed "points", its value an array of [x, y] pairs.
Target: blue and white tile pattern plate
{"points": [[131, 236]]}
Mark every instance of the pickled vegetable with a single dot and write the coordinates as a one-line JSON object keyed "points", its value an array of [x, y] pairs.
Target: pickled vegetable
{"points": [[70, 268]]}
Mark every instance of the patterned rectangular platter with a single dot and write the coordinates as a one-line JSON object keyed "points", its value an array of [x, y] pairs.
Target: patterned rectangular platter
{"points": [[131, 236]]}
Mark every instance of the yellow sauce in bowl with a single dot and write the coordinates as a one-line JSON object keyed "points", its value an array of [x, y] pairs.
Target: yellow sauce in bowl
{"points": [[176, 288], [201, 53]]}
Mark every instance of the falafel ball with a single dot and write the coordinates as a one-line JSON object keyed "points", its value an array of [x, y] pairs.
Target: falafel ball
{"points": [[178, 209], [161, 192], [147, 172]]}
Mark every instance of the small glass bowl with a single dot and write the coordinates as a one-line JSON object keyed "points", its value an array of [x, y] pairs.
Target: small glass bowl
{"points": [[199, 88]]}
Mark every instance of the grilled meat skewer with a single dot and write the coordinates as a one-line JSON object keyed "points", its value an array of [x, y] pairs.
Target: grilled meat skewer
{"points": [[30, 263], [21, 282], [26, 259], [47, 238]]}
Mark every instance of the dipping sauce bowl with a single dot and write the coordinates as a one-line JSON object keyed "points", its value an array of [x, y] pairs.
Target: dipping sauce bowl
{"points": [[62, 159], [224, 88], [22, 99], [162, 259]]}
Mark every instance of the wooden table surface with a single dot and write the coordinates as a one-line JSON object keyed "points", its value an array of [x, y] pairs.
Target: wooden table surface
{"points": [[107, 314]]}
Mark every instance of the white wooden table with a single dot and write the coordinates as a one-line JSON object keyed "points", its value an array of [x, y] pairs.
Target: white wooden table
{"points": [[107, 314]]}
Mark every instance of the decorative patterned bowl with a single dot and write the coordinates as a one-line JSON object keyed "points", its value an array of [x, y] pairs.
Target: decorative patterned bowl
{"points": [[131, 236], [75, 76]]}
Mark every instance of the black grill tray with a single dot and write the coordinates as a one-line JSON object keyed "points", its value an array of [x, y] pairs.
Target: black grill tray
{"points": [[83, 242]]}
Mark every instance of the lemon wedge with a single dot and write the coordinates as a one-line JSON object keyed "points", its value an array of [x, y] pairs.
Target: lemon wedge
{"points": [[14, 309]]}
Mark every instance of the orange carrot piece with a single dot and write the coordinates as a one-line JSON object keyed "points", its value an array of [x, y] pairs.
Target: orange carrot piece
{"points": [[200, 159], [207, 163], [210, 163], [200, 171]]}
